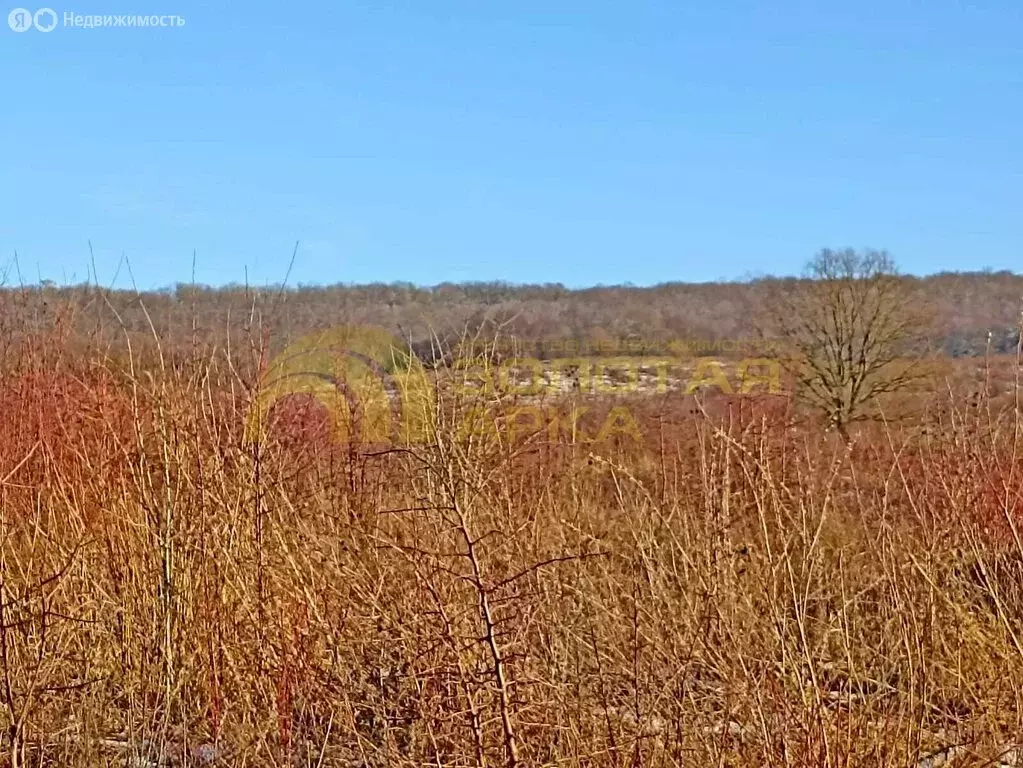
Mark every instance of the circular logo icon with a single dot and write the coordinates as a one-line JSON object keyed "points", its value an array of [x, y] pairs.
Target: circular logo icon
{"points": [[45, 19], [374, 389], [20, 20]]}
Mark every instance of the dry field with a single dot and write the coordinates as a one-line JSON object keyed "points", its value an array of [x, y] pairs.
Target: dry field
{"points": [[736, 588]]}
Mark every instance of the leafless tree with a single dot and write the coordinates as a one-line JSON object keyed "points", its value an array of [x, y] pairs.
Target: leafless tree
{"points": [[852, 331]]}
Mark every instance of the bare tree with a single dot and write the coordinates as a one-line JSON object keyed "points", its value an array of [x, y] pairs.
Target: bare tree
{"points": [[852, 330]]}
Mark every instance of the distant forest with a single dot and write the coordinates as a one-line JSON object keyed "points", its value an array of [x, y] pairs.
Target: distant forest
{"points": [[967, 308]]}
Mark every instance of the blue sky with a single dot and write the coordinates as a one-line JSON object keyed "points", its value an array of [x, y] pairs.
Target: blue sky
{"points": [[575, 142]]}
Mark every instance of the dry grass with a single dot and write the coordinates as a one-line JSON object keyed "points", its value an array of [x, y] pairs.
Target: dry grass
{"points": [[731, 591]]}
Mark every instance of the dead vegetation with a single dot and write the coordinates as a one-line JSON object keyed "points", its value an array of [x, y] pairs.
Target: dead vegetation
{"points": [[735, 589]]}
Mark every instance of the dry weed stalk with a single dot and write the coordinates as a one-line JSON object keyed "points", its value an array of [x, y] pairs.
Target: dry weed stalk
{"points": [[729, 591]]}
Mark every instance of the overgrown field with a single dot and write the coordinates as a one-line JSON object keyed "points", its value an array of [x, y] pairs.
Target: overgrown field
{"points": [[734, 588]]}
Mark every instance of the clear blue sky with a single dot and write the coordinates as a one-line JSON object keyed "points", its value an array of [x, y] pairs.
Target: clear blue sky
{"points": [[523, 140]]}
